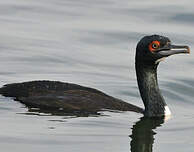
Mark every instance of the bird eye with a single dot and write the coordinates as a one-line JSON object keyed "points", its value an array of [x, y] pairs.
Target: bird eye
{"points": [[154, 45]]}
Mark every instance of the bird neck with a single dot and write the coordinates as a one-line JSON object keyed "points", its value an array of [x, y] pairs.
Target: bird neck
{"points": [[148, 86]]}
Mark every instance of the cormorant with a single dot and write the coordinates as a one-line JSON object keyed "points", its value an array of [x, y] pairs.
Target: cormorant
{"points": [[76, 99]]}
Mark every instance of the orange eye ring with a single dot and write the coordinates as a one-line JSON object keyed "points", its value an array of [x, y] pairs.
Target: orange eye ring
{"points": [[154, 45]]}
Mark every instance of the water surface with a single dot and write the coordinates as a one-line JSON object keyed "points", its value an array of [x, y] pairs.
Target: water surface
{"points": [[93, 44]]}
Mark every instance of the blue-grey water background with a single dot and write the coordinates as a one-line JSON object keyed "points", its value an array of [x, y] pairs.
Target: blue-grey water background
{"points": [[93, 43]]}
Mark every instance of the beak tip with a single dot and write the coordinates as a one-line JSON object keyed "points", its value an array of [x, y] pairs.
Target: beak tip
{"points": [[188, 50]]}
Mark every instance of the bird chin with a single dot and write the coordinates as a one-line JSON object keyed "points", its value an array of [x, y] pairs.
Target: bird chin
{"points": [[159, 60]]}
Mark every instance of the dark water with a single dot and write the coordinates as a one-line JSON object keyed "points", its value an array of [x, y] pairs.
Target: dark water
{"points": [[93, 43]]}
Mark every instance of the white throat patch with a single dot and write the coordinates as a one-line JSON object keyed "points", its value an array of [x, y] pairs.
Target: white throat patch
{"points": [[167, 111]]}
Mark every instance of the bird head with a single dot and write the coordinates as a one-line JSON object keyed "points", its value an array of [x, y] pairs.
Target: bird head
{"points": [[152, 49]]}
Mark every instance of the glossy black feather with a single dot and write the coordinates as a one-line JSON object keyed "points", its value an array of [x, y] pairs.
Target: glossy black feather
{"points": [[64, 97]]}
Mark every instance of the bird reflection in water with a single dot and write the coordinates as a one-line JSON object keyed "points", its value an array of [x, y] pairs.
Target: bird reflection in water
{"points": [[143, 134]]}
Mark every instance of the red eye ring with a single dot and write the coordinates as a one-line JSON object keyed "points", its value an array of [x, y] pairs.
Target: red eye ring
{"points": [[154, 45]]}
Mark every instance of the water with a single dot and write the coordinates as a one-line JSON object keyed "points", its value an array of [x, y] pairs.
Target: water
{"points": [[93, 44]]}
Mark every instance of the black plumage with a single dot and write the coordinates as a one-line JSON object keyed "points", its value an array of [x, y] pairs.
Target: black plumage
{"points": [[75, 99]]}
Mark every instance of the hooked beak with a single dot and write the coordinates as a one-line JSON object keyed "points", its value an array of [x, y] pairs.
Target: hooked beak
{"points": [[173, 49]]}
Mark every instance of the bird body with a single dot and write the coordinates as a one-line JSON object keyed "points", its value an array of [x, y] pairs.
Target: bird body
{"points": [[64, 97], [73, 98]]}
